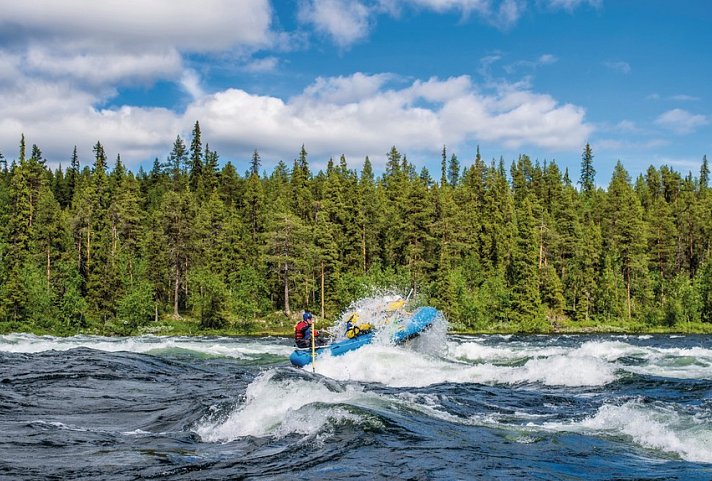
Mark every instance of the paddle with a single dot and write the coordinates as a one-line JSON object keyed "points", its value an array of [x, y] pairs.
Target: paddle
{"points": [[397, 304], [313, 343]]}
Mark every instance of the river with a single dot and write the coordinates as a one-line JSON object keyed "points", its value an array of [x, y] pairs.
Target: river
{"points": [[443, 407]]}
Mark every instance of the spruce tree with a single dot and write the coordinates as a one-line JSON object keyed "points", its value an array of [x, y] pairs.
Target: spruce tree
{"points": [[196, 158], [526, 309], [588, 173], [625, 235], [177, 160], [453, 172], [704, 174]]}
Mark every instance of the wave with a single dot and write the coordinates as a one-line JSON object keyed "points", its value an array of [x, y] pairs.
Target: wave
{"points": [[398, 367], [276, 406], [650, 425]]}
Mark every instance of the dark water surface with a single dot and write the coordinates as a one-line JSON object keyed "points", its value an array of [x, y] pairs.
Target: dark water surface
{"points": [[443, 408]]}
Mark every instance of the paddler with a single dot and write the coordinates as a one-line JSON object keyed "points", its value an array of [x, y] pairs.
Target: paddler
{"points": [[303, 331], [353, 329]]}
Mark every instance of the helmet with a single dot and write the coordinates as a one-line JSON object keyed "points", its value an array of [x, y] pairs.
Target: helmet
{"points": [[307, 315]]}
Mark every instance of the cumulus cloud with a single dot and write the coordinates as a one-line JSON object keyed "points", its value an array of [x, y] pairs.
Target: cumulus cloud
{"points": [[102, 44], [345, 21], [134, 24], [190, 81], [356, 115], [262, 65], [375, 117], [349, 21], [102, 68], [502, 14], [681, 121]]}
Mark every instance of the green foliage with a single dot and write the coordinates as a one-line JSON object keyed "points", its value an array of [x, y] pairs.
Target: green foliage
{"points": [[208, 299], [136, 308], [105, 251]]}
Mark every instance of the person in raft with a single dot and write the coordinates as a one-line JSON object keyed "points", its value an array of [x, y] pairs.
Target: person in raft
{"points": [[303, 332], [353, 329]]}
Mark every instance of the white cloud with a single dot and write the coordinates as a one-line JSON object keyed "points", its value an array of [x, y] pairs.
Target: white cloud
{"points": [[570, 5], [618, 66], [343, 90], [105, 68], [345, 21], [547, 59], [681, 121], [101, 45], [502, 14], [376, 117], [627, 126], [684, 98], [262, 65], [357, 115], [132, 24], [542, 60], [190, 81]]}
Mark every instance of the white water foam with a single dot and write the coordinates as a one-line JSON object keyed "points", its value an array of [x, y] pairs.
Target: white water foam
{"points": [[239, 348], [654, 426], [399, 367], [374, 310], [280, 407]]}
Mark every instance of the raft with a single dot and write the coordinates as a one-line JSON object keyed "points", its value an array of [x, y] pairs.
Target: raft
{"points": [[408, 327]]}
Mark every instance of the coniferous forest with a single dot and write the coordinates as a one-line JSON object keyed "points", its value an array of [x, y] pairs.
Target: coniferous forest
{"points": [[96, 248]]}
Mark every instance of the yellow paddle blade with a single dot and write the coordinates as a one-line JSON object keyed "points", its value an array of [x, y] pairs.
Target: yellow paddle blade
{"points": [[395, 305]]}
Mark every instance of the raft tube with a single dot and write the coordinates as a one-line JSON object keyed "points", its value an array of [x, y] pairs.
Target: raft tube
{"points": [[410, 327]]}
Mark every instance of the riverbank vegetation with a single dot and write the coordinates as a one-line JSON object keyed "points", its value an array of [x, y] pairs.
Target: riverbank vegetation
{"points": [[195, 247]]}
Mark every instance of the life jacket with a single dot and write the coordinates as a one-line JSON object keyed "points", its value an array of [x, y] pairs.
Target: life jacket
{"points": [[300, 330], [357, 330]]}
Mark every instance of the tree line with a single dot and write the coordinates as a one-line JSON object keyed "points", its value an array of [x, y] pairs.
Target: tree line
{"points": [[96, 248]]}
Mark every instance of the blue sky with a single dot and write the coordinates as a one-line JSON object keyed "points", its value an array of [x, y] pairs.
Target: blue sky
{"points": [[354, 77]]}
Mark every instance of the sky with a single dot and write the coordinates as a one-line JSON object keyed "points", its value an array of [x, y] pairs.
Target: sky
{"points": [[356, 77]]}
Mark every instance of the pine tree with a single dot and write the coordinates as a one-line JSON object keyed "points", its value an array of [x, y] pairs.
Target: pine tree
{"points": [[101, 269], [418, 236], [288, 252], [72, 175], [177, 214], [625, 236], [395, 187], [588, 173], [177, 160], [210, 170], [301, 195], [453, 173], [230, 186], [196, 158], [369, 217], [255, 164], [523, 272], [254, 209]]}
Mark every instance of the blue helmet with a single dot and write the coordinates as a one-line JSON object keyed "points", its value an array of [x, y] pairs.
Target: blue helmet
{"points": [[307, 315]]}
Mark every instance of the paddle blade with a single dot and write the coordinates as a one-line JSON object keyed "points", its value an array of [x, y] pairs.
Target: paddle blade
{"points": [[395, 305]]}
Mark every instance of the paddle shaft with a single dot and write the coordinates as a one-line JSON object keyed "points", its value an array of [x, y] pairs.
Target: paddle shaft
{"points": [[313, 344]]}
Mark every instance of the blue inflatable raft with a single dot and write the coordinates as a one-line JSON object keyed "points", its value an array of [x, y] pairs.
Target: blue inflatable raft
{"points": [[408, 328]]}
